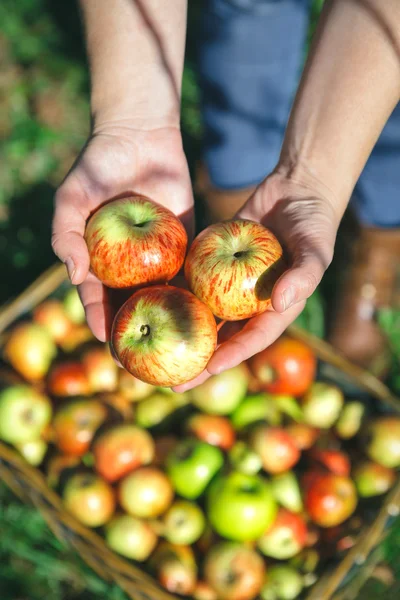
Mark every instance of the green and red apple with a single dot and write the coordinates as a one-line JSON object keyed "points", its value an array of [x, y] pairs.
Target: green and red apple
{"points": [[222, 393], [24, 414], [276, 448], [383, 446], [286, 537], [131, 537], [146, 493], [76, 423], [184, 523], [322, 405], [30, 349], [89, 499]]}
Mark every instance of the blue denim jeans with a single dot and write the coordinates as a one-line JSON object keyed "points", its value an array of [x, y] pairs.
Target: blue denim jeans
{"points": [[251, 54]]}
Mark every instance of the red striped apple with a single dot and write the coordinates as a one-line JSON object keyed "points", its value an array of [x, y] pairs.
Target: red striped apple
{"points": [[135, 241], [233, 266], [164, 335]]}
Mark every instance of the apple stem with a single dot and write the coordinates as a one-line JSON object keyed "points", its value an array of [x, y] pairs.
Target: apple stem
{"points": [[221, 324], [145, 330]]}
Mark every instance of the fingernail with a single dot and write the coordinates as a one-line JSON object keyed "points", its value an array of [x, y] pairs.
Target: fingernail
{"points": [[288, 297], [69, 263]]}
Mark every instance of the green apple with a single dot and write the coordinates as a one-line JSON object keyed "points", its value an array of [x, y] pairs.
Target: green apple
{"points": [[372, 479], [131, 537], [350, 419], [33, 451], [184, 523], [244, 459], [283, 583], [289, 406], [24, 414], [241, 507], [322, 405], [286, 490], [221, 394], [254, 408], [153, 410], [384, 441], [191, 465], [74, 307]]}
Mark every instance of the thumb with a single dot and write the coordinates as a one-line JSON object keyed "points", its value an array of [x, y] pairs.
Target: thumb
{"points": [[69, 221], [298, 282]]}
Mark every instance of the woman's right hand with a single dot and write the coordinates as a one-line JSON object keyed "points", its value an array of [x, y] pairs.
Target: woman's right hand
{"points": [[117, 160]]}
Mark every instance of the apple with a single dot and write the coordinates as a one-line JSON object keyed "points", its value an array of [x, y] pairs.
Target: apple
{"points": [[303, 435], [285, 538], [191, 465], [383, 446], [283, 582], [68, 379], [276, 448], [122, 449], [89, 499], [154, 410], [203, 591], [131, 537], [322, 405], [234, 571], [286, 491], [213, 429], [75, 424], [184, 523], [24, 414], [101, 370], [307, 561], [133, 388], [287, 366], [164, 335], [330, 499], [76, 337], [145, 493], [372, 479], [73, 306], [240, 507], [336, 461], [175, 568], [135, 241], [30, 350], [350, 420], [244, 460], [52, 316], [254, 408], [233, 266], [221, 394], [33, 451]]}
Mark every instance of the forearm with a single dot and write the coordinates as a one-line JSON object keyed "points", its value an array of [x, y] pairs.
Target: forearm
{"points": [[136, 52], [349, 87]]}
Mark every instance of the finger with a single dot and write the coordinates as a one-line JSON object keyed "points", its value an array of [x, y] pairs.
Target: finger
{"points": [[297, 283], [184, 387], [256, 335], [97, 307]]}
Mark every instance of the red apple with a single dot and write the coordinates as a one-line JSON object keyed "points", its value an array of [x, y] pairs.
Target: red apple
{"points": [[276, 448], [68, 379], [184, 523], [131, 537], [288, 366], [222, 393], [76, 423], [303, 435], [101, 370], [121, 450], [89, 499], [213, 429], [145, 493], [383, 435], [322, 405], [164, 335], [51, 315], [175, 568], [30, 350], [234, 571], [133, 388], [78, 335], [330, 499], [285, 538], [336, 461], [135, 241], [24, 414], [233, 266], [372, 479]]}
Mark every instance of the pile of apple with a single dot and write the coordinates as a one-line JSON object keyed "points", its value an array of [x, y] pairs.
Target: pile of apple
{"points": [[241, 488]]}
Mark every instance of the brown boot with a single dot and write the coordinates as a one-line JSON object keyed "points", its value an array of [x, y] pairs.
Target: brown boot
{"points": [[219, 204], [369, 285]]}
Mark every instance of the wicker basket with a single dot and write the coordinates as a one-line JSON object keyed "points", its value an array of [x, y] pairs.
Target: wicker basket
{"points": [[340, 583]]}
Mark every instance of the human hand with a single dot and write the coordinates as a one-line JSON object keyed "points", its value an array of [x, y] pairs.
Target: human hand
{"points": [[303, 216], [117, 160]]}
